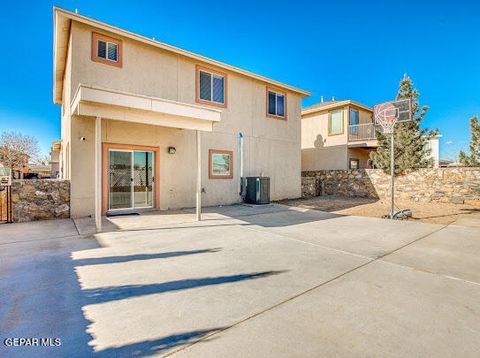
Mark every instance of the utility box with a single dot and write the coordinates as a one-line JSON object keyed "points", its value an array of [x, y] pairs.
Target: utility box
{"points": [[257, 190]]}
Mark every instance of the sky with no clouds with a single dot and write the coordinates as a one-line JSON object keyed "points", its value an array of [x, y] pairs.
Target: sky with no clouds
{"points": [[348, 49]]}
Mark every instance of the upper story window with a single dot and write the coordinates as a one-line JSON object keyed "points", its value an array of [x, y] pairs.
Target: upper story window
{"points": [[335, 122], [211, 87], [106, 50], [354, 117], [276, 104]]}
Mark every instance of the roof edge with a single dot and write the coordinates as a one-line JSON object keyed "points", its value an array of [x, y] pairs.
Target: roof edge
{"points": [[335, 104], [125, 33]]}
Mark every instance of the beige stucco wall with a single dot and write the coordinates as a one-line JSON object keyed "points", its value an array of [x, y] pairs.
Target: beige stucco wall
{"points": [[271, 147], [362, 154], [321, 151]]}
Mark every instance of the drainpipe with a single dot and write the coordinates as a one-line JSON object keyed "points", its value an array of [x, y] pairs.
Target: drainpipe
{"points": [[242, 183]]}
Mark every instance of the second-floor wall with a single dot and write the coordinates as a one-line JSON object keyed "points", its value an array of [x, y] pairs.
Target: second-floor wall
{"points": [[336, 127], [151, 71]]}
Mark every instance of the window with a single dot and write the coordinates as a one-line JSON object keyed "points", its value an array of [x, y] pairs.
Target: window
{"points": [[354, 163], [276, 104], [354, 121], [220, 164], [106, 50], [335, 122], [211, 87]]}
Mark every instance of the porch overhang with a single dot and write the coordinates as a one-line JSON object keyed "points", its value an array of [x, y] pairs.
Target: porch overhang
{"points": [[365, 144], [123, 106]]}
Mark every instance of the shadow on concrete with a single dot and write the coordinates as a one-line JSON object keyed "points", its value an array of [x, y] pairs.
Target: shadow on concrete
{"points": [[106, 294], [40, 297], [120, 259], [152, 347]]}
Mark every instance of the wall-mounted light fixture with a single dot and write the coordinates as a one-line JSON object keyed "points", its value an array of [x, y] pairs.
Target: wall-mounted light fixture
{"points": [[172, 150]]}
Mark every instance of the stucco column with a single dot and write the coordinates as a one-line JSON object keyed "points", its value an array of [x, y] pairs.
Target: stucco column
{"points": [[98, 173], [199, 177]]}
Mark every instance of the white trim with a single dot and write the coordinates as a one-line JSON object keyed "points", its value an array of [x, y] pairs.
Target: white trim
{"points": [[107, 43], [212, 75], [277, 94], [132, 182]]}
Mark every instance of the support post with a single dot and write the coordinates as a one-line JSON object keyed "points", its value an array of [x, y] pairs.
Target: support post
{"points": [[392, 174], [98, 173], [199, 177]]}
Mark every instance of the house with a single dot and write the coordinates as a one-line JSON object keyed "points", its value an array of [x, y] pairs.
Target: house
{"points": [[15, 160], [433, 144], [39, 171], [149, 125], [55, 159], [337, 135]]}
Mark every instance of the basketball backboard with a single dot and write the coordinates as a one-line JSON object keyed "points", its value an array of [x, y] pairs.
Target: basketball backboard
{"points": [[388, 113]]}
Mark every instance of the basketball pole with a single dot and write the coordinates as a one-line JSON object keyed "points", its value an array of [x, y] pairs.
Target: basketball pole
{"points": [[392, 172]]}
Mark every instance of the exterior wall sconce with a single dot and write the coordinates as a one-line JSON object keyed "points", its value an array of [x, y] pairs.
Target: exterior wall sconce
{"points": [[172, 150]]}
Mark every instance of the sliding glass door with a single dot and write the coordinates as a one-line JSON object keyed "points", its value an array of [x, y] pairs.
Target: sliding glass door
{"points": [[130, 179]]}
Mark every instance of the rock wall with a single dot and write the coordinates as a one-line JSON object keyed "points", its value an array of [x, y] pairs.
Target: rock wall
{"points": [[40, 199], [309, 187], [455, 185]]}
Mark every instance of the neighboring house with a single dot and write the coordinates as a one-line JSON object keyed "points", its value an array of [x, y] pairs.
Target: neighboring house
{"points": [[39, 171], [55, 159], [137, 113], [434, 145], [337, 135], [20, 168]]}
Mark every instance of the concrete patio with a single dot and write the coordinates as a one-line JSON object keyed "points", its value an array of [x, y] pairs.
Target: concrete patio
{"points": [[270, 281]]}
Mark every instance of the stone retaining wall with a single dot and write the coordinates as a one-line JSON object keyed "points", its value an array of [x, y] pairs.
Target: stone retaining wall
{"points": [[455, 185], [40, 199]]}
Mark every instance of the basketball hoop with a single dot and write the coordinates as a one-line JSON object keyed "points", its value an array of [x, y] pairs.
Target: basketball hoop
{"points": [[387, 115]]}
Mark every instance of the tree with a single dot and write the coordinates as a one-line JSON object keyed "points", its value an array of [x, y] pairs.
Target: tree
{"points": [[43, 160], [17, 149], [472, 160], [409, 139]]}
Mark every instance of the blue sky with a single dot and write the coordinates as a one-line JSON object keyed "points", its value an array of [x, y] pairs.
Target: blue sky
{"points": [[348, 49]]}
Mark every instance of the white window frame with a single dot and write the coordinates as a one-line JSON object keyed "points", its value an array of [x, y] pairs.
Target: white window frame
{"points": [[276, 96], [212, 74], [107, 43]]}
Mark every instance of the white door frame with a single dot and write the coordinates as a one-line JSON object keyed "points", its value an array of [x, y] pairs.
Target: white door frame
{"points": [[132, 179]]}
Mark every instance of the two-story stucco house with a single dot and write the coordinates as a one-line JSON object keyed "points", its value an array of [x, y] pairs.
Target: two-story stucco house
{"points": [[149, 125], [337, 135]]}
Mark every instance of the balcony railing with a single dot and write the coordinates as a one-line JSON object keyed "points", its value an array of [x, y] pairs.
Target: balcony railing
{"points": [[361, 132]]}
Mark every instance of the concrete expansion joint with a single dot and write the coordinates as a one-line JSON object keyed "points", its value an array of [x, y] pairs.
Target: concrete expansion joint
{"points": [[370, 261]]}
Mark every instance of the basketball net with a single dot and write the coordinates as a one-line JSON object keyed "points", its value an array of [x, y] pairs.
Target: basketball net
{"points": [[386, 115]]}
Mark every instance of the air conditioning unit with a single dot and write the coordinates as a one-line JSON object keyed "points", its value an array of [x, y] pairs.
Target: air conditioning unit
{"points": [[257, 190]]}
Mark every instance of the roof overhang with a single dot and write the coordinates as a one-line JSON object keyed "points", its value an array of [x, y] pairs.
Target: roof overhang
{"points": [[63, 18], [336, 104], [123, 106], [61, 34]]}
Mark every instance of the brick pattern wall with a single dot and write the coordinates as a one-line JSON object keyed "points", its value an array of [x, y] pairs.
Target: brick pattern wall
{"points": [[455, 185], [40, 199]]}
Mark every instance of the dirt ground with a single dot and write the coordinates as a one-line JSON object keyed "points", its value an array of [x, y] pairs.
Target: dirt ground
{"points": [[435, 213]]}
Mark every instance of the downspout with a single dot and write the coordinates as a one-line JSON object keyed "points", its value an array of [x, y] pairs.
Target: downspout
{"points": [[242, 186]]}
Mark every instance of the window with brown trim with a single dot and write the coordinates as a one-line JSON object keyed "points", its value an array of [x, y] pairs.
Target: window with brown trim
{"points": [[211, 87], [276, 104], [106, 50], [354, 163], [220, 164], [335, 122]]}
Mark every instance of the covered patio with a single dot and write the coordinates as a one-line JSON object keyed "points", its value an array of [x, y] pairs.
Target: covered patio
{"points": [[102, 103]]}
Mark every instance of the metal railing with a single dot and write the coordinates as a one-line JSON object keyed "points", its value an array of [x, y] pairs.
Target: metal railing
{"points": [[361, 132]]}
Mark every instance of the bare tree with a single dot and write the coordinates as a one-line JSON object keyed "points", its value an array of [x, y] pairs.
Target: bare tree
{"points": [[17, 149]]}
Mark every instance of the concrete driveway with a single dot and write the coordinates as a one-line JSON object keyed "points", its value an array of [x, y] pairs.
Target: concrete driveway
{"points": [[271, 281]]}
